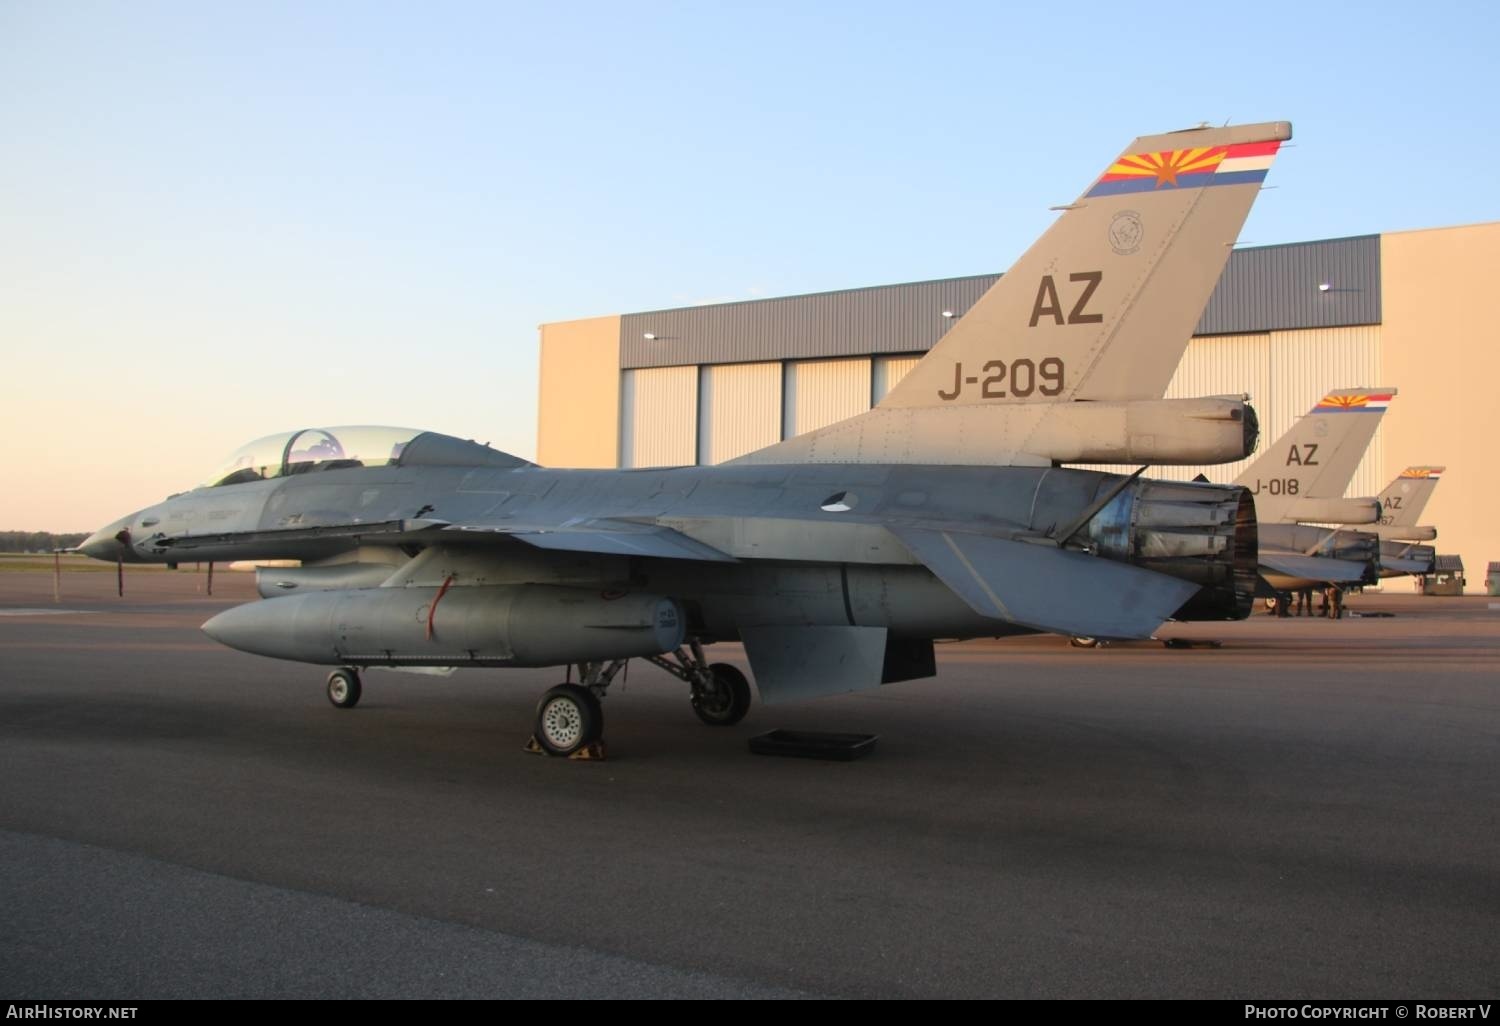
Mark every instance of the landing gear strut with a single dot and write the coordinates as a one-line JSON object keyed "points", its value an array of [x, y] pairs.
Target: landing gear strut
{"points": [[720, 692], [570, 717], [344, 688]]}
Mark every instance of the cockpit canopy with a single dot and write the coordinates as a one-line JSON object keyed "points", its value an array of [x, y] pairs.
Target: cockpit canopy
{"points": [[337, 448]]}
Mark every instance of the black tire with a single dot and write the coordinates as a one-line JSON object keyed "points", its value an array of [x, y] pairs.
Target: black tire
{"points": [[344, 688], [1083, 642], [568, 718], [728, 702]]}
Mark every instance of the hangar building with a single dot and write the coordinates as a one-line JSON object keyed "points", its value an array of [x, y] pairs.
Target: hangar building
{"points": [[1416, 310]]}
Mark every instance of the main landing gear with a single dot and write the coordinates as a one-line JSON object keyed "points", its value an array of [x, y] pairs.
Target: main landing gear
{"points": [[570, 717], [720, 692]]}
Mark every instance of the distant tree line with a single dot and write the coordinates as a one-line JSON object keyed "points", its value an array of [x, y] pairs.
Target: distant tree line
{"points": [[37, 541]]}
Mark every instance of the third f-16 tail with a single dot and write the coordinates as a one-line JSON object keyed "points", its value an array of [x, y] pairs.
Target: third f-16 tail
{"points": [[1404, 499]]}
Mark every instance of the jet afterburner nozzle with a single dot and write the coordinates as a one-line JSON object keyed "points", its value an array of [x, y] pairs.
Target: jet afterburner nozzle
{"points": [[1202, 533]]}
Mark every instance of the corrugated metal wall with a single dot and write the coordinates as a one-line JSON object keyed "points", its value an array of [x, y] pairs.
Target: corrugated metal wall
{"points": [[739, 410], [1306, 365], [1262, 289], [659, 417], [1285, 373], [885, 319], [1277, 287], [822, 392], [888, 372]]}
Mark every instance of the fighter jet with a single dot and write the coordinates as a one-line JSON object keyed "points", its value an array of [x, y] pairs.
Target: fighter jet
{"points": [[1399, 527], [1299, 481], [836, 558]]}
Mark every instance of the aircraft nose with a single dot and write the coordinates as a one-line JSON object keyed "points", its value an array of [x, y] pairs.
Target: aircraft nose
{"points": [[110, 543]]}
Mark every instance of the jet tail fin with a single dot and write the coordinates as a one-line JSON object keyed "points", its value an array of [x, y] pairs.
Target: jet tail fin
{"points": [[1405, 498], [1317, 457], [1103, 304]]}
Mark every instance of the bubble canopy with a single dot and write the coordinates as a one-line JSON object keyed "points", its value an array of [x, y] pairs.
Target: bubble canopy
{"points": [[312, 449]]}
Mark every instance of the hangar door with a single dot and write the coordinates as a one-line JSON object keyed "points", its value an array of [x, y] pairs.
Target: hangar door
{"points": [[739, 410], [659, 417], [888, 372], [823, 392]]}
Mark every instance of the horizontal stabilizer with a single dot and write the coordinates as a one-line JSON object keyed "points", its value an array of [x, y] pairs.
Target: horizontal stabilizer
{"points": [[792, 663], [1315, 568], [1402, 565], [1047, 588]]}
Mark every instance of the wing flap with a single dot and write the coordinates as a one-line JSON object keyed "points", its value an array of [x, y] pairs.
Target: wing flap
{"points": [[1047, 588]]}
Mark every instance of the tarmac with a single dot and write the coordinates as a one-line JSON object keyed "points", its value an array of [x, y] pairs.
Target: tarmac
{"points": [[1309, 811]]}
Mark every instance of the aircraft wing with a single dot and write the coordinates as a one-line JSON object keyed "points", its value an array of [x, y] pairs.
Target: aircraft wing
{"points": [[1048, 588], [383, 532], [1315, 568], [605, 536]]}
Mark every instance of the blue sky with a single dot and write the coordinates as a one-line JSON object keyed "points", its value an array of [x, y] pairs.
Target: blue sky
{"points": [[222, 220]]}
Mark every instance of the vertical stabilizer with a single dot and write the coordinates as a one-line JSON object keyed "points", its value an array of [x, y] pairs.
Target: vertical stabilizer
{"points": [[1317, 457], [1102, 306], [1405, 498]]}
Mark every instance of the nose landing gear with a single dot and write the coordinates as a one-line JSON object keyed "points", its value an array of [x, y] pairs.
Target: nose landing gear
{"points": [[344, 688]]}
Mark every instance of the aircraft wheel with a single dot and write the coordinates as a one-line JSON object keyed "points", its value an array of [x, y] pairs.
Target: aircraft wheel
{"points": [[1083, 642], [567, 718], [727, 702], [344, 688]]}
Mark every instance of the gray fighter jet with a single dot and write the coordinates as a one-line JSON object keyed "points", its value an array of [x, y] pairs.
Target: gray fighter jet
{"points": [[1299, 481], [836, 558], [1400, 528]]}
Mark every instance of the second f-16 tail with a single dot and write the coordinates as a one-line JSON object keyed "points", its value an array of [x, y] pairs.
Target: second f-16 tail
{"points": [[1302, 476]]}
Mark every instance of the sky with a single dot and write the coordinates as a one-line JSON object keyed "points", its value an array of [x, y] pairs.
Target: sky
{"points": [[224, 220]]}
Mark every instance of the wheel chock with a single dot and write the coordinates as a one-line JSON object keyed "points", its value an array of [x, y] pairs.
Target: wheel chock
{"points": [[594, 751]]}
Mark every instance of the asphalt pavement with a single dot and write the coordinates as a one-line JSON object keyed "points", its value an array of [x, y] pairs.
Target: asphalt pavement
{"points": [[1308, 811]]}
